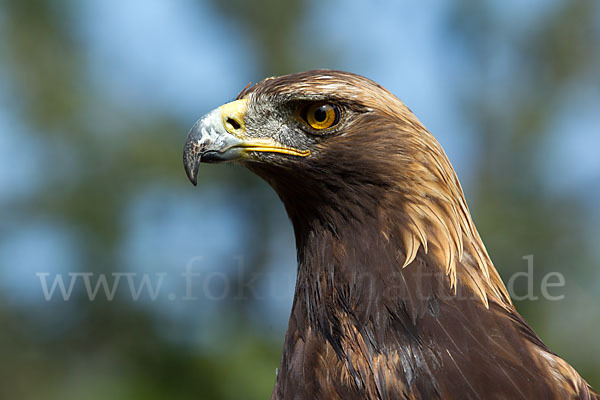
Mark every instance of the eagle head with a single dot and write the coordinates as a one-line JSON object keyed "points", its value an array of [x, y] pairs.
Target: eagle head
{"points": [[329, 142], [312, 125]]}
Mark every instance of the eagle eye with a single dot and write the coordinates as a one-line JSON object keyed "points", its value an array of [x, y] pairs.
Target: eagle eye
{"points": [[321, 115]]}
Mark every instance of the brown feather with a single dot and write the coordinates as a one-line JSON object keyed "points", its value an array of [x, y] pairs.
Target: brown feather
{"points": [[396, 295]]}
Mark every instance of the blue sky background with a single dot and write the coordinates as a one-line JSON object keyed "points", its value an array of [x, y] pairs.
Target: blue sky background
{"points": [[183, 58]]}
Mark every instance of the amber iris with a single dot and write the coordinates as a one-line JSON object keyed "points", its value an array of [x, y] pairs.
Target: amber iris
{"points": [[322, 115]]}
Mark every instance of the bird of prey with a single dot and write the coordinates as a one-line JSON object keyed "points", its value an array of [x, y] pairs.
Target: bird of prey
{"points": [[396, 296]]}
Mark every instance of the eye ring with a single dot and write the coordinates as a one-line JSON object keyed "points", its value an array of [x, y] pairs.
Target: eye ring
{"points": [[321, 115]]}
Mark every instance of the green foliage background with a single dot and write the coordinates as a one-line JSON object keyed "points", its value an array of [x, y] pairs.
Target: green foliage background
{"points": [[98, 350]]}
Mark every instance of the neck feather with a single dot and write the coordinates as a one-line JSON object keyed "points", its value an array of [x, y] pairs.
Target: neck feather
{"points": [[398, 249]]}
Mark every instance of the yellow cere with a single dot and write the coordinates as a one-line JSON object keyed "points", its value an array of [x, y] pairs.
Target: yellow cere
{"points": [[233, 115]]}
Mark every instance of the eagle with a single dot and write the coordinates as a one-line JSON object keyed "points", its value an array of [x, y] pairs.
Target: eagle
{"points": [[396, 296]]}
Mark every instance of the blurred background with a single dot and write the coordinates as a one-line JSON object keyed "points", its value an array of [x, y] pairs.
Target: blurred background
{"points": [[96, 98]]}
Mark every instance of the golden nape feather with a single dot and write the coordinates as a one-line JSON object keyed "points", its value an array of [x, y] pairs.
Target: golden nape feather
{"points": [[396, 296]]}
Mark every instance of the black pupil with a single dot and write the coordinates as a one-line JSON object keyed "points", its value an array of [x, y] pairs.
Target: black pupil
{"points": [[321, 113]]}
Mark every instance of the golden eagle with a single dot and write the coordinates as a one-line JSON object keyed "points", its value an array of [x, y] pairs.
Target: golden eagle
{"points": [[396, 296]]}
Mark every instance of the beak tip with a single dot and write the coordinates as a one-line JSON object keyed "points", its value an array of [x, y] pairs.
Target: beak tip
{"points": [[191, 164], [192, 174]]}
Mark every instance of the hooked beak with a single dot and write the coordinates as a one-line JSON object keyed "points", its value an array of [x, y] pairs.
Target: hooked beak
{"points": [[220, 136]]}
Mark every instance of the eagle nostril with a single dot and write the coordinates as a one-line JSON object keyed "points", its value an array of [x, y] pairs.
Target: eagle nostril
{"points": [[234, 124]]}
